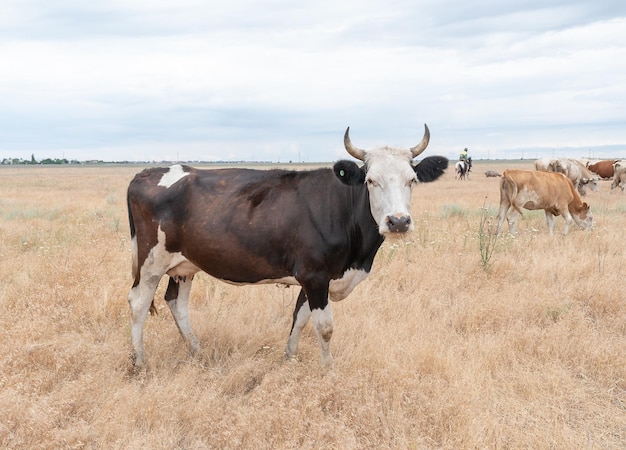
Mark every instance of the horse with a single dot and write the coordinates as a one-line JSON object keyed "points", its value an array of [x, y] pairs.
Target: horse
{"points": [[462, 169]]}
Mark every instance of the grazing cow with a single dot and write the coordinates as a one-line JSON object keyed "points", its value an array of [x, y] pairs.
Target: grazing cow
{"points": [[604, 169], [492, 174], [317, 229], [580, 176], [462, 169], [619, 175], [545, 164], [560, 165], [533, 190]]}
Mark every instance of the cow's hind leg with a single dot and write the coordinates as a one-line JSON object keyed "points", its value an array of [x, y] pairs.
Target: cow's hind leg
{"points": [[140, 300], [177, 298], [301, 315], [512, 220], [510, 214], [501, 217]]}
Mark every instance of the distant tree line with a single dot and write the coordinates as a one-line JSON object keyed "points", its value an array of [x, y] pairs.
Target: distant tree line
{"points": [[32, 160]]}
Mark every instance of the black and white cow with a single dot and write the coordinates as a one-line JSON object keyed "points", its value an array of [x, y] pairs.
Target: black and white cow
{"points": [[318, 229]]}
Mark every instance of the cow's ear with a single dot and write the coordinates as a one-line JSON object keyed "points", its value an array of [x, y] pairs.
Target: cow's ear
{"points": [[349, 173], [430, 168]]}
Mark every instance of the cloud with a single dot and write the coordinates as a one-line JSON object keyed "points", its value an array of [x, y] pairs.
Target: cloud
{"points": [[279, 80]]}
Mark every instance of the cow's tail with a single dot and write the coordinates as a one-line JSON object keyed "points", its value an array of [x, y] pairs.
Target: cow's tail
{"points": [[509, 189], [133, 232], [133, 241]]}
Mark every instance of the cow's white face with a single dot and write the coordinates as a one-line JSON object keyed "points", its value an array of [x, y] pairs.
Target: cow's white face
{"points": [[390, 179]]}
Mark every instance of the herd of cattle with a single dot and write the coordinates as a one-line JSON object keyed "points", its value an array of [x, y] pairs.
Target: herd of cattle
{"points": [[583, 173], [556, 186]]}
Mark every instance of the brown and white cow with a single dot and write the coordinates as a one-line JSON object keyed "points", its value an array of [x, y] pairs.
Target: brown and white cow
{"points": [[317, 229], [619, 175], [604, 169], [533, 190]]}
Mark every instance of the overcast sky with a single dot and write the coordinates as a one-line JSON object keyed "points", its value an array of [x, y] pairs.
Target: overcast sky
{"points": [[281, 80]]}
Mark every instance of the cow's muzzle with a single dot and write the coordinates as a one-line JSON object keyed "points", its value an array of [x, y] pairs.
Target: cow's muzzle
{"points": [[398, 224]]}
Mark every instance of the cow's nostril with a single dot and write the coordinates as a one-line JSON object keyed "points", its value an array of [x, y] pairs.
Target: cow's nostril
{"points": [[398, 224]]}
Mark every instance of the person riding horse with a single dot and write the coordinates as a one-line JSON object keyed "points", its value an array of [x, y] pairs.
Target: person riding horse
{"points": [[463, 166]]}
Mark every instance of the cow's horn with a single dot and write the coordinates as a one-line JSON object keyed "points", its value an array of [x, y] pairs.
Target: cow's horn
{"points": [[354, 151], [419, 148]]}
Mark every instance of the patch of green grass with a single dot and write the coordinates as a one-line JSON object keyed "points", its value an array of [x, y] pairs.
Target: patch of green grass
{"points": [[454, 210], [111, 199], [556, 313], [29, 214]]}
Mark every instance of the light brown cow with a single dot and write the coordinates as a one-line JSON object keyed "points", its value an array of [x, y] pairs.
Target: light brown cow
{"points": [[619, 175], [553, 192], [603, 168]]}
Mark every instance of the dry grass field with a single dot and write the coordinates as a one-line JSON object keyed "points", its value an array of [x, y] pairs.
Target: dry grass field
{"points": [[442, 347]]}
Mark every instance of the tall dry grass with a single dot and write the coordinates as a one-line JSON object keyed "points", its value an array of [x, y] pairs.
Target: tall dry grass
{"points": [[436, 349]]}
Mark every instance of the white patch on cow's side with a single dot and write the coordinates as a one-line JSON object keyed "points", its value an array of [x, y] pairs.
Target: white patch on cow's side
{"points": [[341, 287], [160, 262], [175, 173], [528, 198]]}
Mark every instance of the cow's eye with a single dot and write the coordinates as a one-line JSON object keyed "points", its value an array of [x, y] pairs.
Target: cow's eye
{"points": [[371, 183], [412, 182]]}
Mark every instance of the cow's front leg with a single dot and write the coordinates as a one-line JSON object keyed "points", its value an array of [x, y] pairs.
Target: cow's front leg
{"points": [[568, 220], [301, 315], [550, 221], [323, 320], [317, 295]]}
